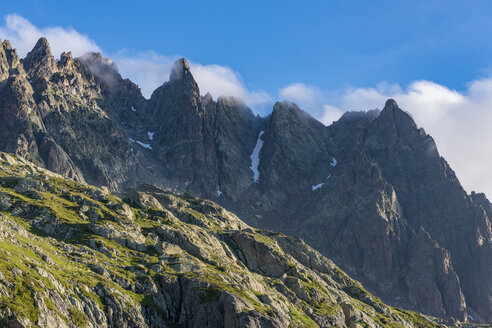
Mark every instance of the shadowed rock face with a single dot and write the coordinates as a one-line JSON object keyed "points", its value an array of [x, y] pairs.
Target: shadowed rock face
{"points": [[183, 137], [370, 191]]}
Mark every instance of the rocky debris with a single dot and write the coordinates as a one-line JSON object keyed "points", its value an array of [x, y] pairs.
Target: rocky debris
{"points": [[142, 265]]}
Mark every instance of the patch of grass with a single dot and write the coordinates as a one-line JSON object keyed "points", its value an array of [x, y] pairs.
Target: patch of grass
{"points": [[291, 264], [302, 319], [78, 317], [325, 309], [22, 301], [49, 304], [213, 277], [416, 318], [386, 322]]}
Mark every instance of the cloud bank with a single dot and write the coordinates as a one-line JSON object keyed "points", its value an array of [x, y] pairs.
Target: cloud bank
{"points": [[23, 35], [459, 121], [224, 81]]}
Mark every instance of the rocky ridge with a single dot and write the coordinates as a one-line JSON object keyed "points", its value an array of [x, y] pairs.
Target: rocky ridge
{"points": [[73, 255]]}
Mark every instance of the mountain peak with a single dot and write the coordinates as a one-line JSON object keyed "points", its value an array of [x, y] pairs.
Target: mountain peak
{"points": [[390, 104], [7, 45], [102, 68], [181, 70], [392, 113], [286, 113], [42, 46], [39, 61], [284, 107], [289, 110]]}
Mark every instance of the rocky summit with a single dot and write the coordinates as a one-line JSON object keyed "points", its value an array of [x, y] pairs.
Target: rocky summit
{"points": [[370, 192]]}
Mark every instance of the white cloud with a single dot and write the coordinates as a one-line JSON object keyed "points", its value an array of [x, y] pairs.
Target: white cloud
{"points": [[150, 70], [23, 35], [458, 121], [313, 100], [224, 81], [147, 69]]}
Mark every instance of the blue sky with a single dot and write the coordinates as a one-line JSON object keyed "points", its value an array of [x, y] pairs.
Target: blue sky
{"points": [[433, 57], [272, 43]]}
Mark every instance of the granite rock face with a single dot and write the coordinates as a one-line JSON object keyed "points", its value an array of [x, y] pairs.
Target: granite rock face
{"points": [[370, 191]]}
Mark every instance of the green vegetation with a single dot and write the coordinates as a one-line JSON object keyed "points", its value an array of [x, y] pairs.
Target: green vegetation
{"points": [[78, 317], [302, 319], [387, 322], [326, 309], [23, 301], [416, 318]]}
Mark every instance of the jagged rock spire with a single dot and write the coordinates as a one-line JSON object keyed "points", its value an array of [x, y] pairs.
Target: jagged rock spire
{"points": [[11, 54], [181, 70], [39, 62], [391, 104], [395, 116], [66, 62], [390, 109], [4, 65]]}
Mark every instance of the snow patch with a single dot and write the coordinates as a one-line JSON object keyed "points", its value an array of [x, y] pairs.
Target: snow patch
{"points": [[469, 316], [218, 191], [333, 162], [255, 157], [144, 145], [321, 184], [133, 109], [151, 135], [141, 144]]}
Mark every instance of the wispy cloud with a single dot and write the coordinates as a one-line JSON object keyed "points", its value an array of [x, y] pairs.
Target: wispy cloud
{"points": [[313, 100], [150, 70], [224, 81], [23, 35]]}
